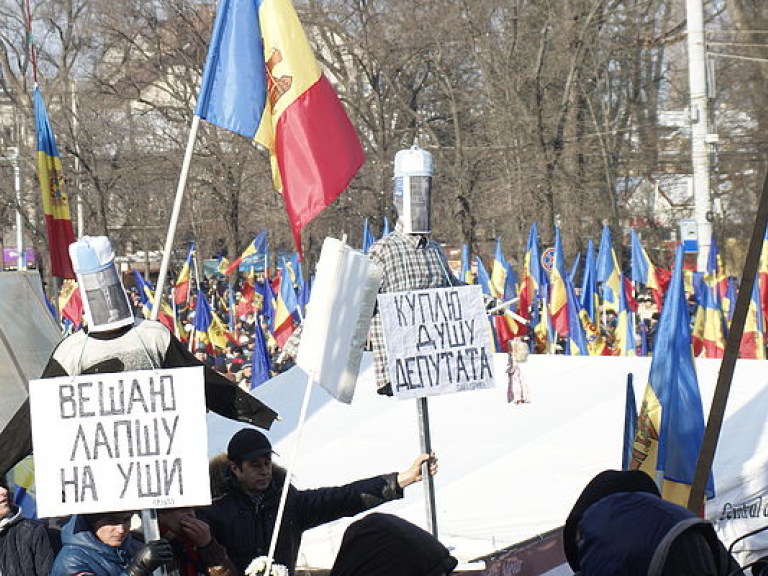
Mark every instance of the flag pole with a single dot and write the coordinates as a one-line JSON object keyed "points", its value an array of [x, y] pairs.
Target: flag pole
{"points": [[174, 217], [728, 365], [311, 378]]}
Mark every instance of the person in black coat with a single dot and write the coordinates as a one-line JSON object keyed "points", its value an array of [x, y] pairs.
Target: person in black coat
{"points": [[383, 545], [244, 518], [25, 549], [619, 525]]}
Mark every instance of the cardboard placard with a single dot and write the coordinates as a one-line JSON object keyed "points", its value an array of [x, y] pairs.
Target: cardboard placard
{"points": [[438, 341], [123, 441]]}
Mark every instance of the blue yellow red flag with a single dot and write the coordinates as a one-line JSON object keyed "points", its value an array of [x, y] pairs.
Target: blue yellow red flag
{"points": [[261, 361], [531, 279], [625, 344], [482, 277], [671, 423], [589, 299], [577, 337], [255, 249], [58, 220], [558, 297], [608, 271], [261, 80], [182, 285]]}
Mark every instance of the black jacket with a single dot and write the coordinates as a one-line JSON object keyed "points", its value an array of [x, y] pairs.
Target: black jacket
{"points": [[25, 549], [244, 526]]}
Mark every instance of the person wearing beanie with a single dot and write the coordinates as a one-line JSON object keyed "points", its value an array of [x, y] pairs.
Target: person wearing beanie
{"points": [[25, 549], [102, 545], [244, 518], [383, 545], [620, 526]]}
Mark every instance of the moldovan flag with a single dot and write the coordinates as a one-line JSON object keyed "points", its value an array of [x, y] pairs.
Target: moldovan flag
{"points": [[181, 287], [558, 299], [671, 424], [58, 221], [256, 247], [262, 81]]}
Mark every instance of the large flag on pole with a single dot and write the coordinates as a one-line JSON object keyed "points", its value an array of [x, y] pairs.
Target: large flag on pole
{"points": [[58, 221], [671, 424], [262, 81]]}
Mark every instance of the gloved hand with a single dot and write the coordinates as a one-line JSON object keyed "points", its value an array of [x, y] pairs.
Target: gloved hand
{"points": [[150, 556]]}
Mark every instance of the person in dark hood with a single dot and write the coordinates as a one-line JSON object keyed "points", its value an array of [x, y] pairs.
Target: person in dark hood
{"points": [[25, 549], [244, 518], [620, 526], [102, 545], [383, 544]]}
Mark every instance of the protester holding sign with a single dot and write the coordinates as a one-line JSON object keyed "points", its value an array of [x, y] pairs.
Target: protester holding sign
{"points": [[25, 549], [102, 545], [243, 519]]}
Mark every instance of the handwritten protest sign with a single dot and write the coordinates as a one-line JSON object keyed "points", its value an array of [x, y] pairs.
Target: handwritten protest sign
{"points": [[124, 441], [437, 341]]}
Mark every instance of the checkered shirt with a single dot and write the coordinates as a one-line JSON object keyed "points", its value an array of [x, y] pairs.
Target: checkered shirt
{"points": [[409, 262]]}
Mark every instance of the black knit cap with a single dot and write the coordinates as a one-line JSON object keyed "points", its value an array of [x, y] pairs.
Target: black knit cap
{"points": [[248, 444], [604, 484], [386, 545]]}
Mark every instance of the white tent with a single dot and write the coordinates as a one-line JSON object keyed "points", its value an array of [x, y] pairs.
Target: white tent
{"points": [[28, 335], [507, 472]]}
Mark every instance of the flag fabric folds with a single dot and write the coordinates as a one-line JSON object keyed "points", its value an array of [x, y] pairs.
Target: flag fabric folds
{"points": [[147, 298], [558, 299], [608, 271], [589, 301], [182, 285], [503, 280], [531, 280], [261, 80], [368, 239], [255, 248], [671, 423], [261, 362], [58, 220]]}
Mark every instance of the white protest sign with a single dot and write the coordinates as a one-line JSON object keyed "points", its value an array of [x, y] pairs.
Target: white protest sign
{"points": [[123, 441], [437, 341], [339, 312]]}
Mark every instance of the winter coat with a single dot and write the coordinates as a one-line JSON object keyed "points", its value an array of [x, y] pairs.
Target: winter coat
{"points": [[639, 534], [25, 549], [83, 553], [244, 525]]}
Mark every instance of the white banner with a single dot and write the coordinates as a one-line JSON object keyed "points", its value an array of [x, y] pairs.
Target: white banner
{"points": [[339, 312], [124, 441], [437, 341]]}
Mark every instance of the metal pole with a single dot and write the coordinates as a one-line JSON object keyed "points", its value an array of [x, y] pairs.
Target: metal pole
{"points": [[728, 365], [79, 202], [21, 263], [426, 447], [697, 75]]}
